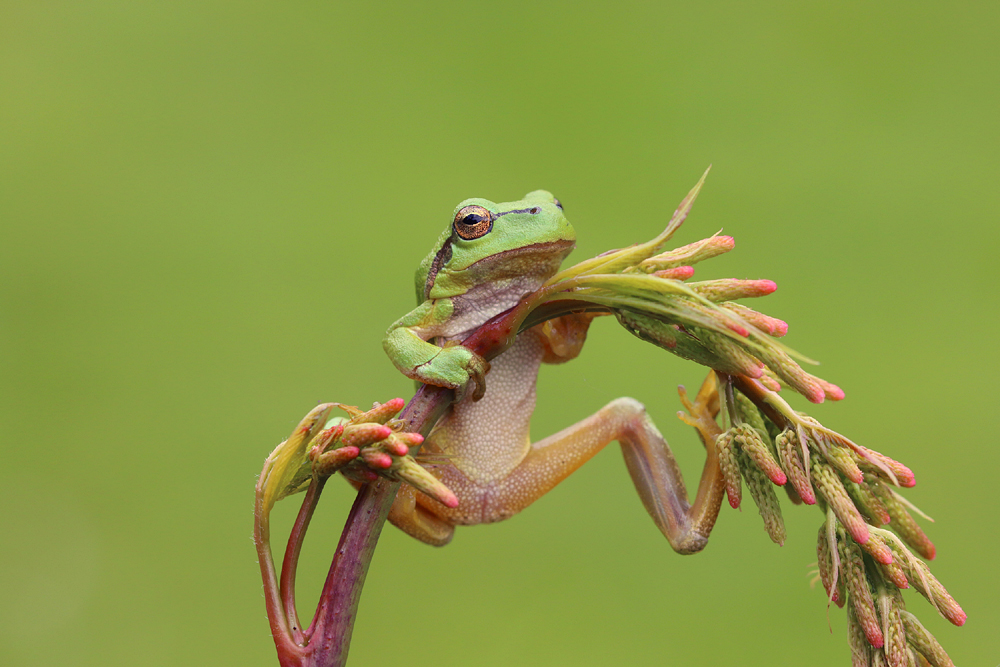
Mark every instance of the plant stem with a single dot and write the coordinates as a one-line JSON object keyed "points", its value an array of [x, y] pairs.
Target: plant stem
{"points": [[330, 632], [291, 561]]}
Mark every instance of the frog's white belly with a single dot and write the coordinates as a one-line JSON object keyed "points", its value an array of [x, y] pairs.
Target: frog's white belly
{"points": [[487, 439]]}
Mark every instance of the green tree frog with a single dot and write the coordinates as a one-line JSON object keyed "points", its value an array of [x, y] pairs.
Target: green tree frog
{"points": [[489, 256]]}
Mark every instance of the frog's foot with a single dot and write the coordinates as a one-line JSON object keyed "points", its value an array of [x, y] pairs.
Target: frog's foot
{"points": [[478, 368], [372, 444], [456, 367], [702, 412]]}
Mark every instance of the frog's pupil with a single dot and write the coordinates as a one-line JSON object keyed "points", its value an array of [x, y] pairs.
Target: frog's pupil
{"points": [[472, 219]]}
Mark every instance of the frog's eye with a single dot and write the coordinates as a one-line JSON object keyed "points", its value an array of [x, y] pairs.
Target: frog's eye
{"points": [[472, 222]]}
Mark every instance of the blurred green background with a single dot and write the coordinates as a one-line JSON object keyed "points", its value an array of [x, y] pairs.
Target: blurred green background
{"points": [[211, 211]]}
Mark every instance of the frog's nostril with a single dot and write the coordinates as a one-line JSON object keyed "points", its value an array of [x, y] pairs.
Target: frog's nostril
{"points": [[534, 211]]}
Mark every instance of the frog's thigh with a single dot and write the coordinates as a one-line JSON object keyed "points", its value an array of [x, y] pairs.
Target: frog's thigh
{"points": [[417, 521], [647, 456]]}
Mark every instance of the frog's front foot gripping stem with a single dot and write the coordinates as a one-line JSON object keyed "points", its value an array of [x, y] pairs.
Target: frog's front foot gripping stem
{"points": [[365, 446]]}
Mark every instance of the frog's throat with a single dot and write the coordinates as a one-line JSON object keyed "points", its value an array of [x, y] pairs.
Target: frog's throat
{"points": [[531, 265]]}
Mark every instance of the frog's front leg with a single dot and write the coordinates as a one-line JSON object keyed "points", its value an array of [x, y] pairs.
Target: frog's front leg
{"points": [[452, 366]]}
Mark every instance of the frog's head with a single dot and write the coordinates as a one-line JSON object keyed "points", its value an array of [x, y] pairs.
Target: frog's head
{"points": [[513, 244]]}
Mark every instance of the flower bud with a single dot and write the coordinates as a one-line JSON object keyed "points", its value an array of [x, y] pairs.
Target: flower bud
{"points": [[827, 572], [691, 253], [852, 569], [751, 442], [362, 435], [787, 444], [732, 354], [728, 289], [903, 522], [889, 605], [763, 495], [936, 594], [919, 638], [730, 467], [677, 273], [380, 412], [842, 459], [829, 486], [792, 374], [861, 650], [884, 467], [880, 551], [769, 325], [868, 502], [411, 472]]}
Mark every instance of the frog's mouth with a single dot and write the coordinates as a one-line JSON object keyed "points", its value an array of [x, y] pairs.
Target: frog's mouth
{"points": [[535, 263]]}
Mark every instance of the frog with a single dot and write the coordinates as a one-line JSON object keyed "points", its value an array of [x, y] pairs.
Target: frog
{"points": [[486, 259]]}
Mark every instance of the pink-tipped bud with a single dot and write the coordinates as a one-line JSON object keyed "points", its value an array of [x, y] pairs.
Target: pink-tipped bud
{"points": [[904, 476], [769, 325], [813, 394], [787, 444], [832, 391], [792, 374], [878, 549], [376, 459], [751, 442], [903, 522], [396, 447], [770, 383], [740, 330], [327, 463], [894, 573], [852, 568], [326, 436], [828, 574], [843, 460], [361, 435], [729, 467], [677, 273], [448, 499], [728, 289], [418, 477], [380, 414], [409, 438], [691, 253], [830, 487]]}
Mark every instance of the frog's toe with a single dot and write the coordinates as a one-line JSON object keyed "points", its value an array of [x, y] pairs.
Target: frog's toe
{"points": [[477, 378]]}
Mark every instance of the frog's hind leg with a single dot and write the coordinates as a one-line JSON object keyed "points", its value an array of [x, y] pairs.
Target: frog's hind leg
{"points": [[650, 462]]}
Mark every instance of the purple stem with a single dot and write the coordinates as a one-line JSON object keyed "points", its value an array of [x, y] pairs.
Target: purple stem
{"points": [[291, 561], [330, 633]]}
